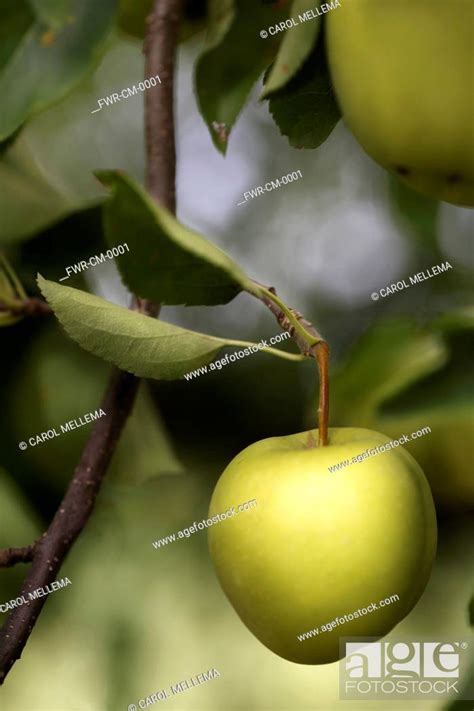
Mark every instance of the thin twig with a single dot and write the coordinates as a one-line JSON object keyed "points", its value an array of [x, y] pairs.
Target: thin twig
{"points": [[28, 307], [78, 502], [11, 556]]}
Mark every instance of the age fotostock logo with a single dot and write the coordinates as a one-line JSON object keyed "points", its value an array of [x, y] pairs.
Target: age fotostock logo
{"points": [[385, 670]]}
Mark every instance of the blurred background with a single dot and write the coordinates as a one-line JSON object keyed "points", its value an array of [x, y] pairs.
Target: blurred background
{"points": [[136, 619]]}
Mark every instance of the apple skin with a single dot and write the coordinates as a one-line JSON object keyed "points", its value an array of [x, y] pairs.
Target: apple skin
{"points": [[319, 545], [402, 72]]}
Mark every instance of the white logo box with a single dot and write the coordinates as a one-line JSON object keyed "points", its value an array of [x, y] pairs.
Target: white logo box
{"points": [[403, 668]]}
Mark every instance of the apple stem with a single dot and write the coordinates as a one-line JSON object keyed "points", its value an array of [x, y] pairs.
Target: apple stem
{"points": [[310, 343], [321, 353]]}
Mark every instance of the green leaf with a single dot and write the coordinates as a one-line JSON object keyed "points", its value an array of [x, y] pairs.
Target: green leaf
{"points": [[139, 344], [442, 395], [447, 393], [453, 321], [305, 110], [297, 44], [387, 359], [234, 58], [221, 15], [54, 13], [167, 262], [47, 63], [16, 18], [400, 378]]}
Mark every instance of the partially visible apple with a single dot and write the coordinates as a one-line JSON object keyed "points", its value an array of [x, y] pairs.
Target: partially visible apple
{"points": [[446, 454], [403, 75], [320, 545]]}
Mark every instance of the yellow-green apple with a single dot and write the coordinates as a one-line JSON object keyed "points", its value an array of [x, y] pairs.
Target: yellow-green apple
{"points": [[322, 544], [403, 74]]}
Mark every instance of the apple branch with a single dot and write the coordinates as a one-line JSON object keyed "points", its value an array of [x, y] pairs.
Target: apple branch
{"points": [[49, 553], [160, 57], [33, 306], [314, 347], [11, 556]]}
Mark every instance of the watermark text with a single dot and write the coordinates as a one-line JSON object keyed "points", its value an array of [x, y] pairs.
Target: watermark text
{"points": [[126, 93], [174, 689], [66, 427], [95, 260], [233, 357], [205, 523], [39, 592], [272, 185], [393, 444], [414, 280], [304, 17], [329, 626]]}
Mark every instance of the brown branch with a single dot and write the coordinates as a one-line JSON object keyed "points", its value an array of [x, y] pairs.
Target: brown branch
{"points": [[320, 352], [163, 22], [28, 307], [71, 517], [12, 556], [79, 500]]}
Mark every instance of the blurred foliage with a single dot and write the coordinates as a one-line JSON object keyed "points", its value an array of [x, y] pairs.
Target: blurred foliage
{"points": [[468, 684], [132, 16], [390, 357], [54, 13], [417, 210], [49, 252], [11, 291], [402, 377], [17, 16], [20, 525], [58, 382], [45, 175], [50, 58]]}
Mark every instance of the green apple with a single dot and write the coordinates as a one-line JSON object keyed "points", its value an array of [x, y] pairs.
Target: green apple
{"points": [[446, 454], [320, 545], [402, 71]]}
